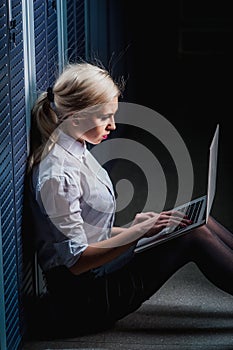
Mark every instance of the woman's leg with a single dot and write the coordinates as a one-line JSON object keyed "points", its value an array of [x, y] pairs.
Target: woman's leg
{"points": [[154, 267], [223, 233], [113, 291], [213, 255]]}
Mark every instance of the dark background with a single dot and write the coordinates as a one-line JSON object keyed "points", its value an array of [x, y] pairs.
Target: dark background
{"points": [[176, 59]]}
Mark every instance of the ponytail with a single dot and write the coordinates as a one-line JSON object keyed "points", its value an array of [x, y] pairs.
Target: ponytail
{"points": [[43, 124]]}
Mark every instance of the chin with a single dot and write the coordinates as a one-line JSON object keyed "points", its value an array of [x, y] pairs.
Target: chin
{"points": [[94, 142]]}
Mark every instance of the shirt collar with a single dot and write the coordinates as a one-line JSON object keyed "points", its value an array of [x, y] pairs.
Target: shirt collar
{"points": [[74, 147]]}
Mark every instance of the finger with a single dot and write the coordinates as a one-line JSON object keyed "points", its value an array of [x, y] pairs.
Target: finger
{"points": [[172, 215], [178, 214], [177, 222], [173, 221], [150, 214], [184, 218]]}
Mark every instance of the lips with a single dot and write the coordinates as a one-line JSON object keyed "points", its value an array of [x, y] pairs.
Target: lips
{"points": [[105, 137]]}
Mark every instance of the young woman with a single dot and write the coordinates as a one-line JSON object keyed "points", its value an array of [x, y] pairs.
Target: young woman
{"points": [[93, 276]]}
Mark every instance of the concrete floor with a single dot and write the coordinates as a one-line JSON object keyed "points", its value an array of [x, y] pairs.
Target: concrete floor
{"points": [[187, 313]]}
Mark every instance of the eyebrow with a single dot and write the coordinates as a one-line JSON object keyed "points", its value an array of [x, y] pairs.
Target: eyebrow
{"points": [[108, 115]]}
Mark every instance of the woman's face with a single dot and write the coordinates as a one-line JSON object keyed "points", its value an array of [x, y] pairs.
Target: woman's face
{"points": [[95, 126]]}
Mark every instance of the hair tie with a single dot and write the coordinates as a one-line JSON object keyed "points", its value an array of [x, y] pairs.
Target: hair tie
{"points": [[50, 94]]}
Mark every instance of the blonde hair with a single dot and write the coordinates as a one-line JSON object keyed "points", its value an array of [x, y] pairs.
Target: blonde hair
{"points": [[80, 86]]}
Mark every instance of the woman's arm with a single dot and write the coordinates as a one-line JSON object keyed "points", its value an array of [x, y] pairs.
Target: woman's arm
{"points": [[63, 209], [116, 230], [94, 256], [99, 253], [102, 252]]}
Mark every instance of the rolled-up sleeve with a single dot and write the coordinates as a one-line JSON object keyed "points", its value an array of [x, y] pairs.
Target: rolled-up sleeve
{"points": [[69, 251], [60, 198]]}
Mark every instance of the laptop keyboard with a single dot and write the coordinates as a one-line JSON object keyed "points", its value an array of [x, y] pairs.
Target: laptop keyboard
{"points": [[192, 210], [195, 210]]}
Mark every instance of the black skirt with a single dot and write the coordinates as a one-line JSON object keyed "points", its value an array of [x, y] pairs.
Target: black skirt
{"points": [[98, 298]]}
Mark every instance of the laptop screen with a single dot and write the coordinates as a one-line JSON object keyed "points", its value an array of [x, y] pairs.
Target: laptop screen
{"points": [[212, 176]]}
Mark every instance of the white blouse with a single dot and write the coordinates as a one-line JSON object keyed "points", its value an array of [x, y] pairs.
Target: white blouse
{"points": [[76, 203]]}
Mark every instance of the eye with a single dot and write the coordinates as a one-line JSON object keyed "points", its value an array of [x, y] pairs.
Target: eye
{"points": [[104, 117]]}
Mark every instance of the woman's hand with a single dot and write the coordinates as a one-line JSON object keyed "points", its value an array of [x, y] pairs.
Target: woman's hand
{"points": [[140, 217], [152, 223]]}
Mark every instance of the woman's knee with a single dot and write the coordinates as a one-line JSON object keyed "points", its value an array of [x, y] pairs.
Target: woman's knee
{"points": [[202, 234]]}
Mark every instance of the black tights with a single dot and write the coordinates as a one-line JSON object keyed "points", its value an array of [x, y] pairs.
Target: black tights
{"points": [[213, 254], [209, 247]]}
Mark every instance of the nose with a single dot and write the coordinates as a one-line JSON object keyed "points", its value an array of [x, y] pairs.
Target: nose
{"points": [[111, 124]]}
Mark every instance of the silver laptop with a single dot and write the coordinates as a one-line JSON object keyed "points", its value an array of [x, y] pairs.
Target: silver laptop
{"points": [[197, 210]]}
